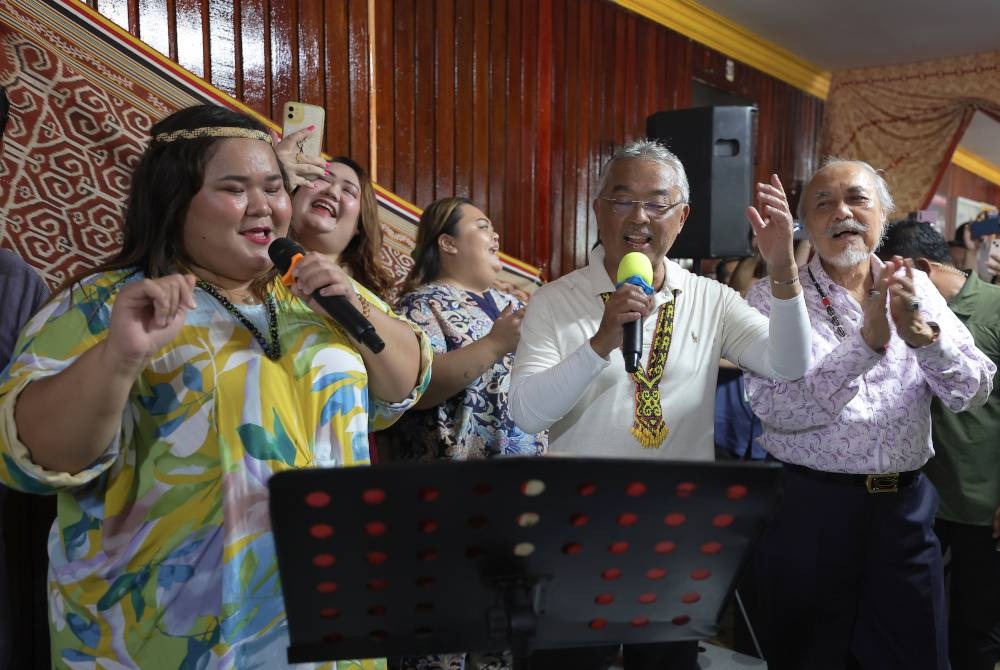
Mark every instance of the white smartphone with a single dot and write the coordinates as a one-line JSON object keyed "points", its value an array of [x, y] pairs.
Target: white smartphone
{"points": [[298, 115]]}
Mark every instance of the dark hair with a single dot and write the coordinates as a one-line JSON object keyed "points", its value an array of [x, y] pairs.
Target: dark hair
{"points": [[914, 239], [362, 255], [4, 111], [440, 218], [166, 179]]}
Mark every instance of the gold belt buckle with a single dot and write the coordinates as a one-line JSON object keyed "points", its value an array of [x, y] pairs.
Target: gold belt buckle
{"points": [[885, 483]]}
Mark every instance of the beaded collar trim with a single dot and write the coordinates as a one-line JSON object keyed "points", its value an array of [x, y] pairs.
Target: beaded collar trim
{"points": [[271, 349]]}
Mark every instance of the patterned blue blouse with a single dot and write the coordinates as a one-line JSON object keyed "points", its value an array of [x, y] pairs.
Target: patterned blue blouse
{"points": [[474, 423]]}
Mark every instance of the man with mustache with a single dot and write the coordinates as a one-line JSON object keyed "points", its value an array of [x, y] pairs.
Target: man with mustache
{"points": [[849, 569]]}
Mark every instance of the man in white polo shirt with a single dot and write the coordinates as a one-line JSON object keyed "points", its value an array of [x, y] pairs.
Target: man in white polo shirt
{"points": [[569, 374]]}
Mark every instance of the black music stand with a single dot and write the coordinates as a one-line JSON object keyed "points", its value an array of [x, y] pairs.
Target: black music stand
{"points": [[519, 553]]}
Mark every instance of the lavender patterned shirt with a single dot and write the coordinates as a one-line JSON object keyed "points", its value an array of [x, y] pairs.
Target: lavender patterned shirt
{"points": [[856, 411]]}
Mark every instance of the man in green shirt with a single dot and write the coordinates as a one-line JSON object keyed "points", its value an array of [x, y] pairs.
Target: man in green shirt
{"points": [[966, 465]]}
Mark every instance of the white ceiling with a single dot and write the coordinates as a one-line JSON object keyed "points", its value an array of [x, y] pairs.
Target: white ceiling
{"points": [[861, 33]]}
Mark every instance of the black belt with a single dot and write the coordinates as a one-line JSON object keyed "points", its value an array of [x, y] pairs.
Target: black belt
{"points": [[887, 482]]}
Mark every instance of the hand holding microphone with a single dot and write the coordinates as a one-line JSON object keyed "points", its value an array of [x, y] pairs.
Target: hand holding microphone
{"points": [[330, 294], [621, 325]]}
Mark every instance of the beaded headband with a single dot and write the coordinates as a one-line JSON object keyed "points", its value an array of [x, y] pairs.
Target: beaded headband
{"points": [[213, 131]]}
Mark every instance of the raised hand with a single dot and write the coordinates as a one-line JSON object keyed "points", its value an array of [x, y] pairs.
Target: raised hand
{"points": [[772, 224], [302, 170], [628, 303], [147, 315]]}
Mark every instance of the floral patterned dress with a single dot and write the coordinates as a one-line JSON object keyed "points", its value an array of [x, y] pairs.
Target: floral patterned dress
{"points": [[474, 423], [162, 554]]}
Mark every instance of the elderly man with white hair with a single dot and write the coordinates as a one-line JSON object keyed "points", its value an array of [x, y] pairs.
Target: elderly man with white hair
{"points": [[849, 569]]}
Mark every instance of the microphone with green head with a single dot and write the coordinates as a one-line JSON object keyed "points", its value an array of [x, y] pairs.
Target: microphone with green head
{"points": [[634, 268]]}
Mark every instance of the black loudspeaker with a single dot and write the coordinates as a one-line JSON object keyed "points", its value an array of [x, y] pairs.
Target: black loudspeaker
{"points": [[715, 144]]}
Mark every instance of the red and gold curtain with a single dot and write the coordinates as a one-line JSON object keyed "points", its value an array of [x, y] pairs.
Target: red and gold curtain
{"points": [[908, 119]]}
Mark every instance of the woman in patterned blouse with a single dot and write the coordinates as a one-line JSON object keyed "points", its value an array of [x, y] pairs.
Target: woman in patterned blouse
{"points": [[473, 329], [158, 394]]}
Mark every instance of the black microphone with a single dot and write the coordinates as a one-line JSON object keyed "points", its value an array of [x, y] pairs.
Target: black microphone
{"points": [[285, 254], [634, 268]]}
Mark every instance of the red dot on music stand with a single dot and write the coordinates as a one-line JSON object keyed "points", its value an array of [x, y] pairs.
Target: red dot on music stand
{"points": [[722, 520], [604, 599], [627, 519], [700, 574], [427, 555], [318, 499], [685, 489], [482, 489], [377, 610], [321, 531], [736, 491], [635, 489], [639, 622], [373, 496], [329, 613], [428, 526], [375, 528], [598, 624], [711, 548], [587, 489], [376, 557], [429, 494], [647, 598], [326, 587], [664, 547], [680, 620], [377, 584], [572, 548], [332, 638], [611, 574], [324, 560], [474, 552], [690, 598], [579, 519], [674, 519], [656, 573], [477, 522], [618, 547], [378, 635]]}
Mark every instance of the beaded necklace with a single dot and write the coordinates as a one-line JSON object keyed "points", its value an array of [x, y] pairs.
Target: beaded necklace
{"points": [[273, 348], [837, 328]]}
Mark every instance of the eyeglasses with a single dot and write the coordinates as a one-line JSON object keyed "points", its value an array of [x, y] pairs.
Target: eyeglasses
{"points": [[654, 210]]}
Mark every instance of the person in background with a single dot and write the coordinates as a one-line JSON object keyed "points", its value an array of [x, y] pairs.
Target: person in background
{"points": [[24, 519], [849, 569], [206, 375], [966, 464], [474, 329]]}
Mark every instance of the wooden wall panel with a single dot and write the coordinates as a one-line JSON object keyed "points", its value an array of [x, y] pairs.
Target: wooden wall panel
{"points": [[514, 103]]}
